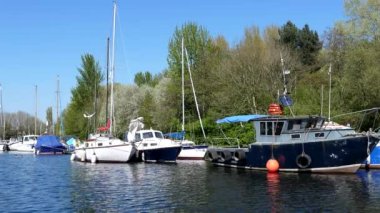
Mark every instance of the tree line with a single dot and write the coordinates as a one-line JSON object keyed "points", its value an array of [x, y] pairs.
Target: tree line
{"points": [[243, 78]]}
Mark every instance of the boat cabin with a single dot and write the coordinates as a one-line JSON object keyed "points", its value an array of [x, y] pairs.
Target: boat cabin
{"points": [[281, 129]]}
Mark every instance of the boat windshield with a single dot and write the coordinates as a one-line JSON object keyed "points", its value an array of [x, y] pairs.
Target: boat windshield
{"points": [[158, 135], [147, 135]]}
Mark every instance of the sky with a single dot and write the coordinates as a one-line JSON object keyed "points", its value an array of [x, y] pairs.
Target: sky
{"points": [[43, 39]]}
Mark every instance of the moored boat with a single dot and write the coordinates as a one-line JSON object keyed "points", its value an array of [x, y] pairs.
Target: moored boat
{"points": [[49, 144], [26, 144], [153, 147], [299, 144]]}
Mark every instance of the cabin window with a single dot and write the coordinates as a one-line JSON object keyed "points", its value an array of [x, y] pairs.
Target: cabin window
{"points": [[320, 135], [262, 128], [145, 144], [158, 135], [86, 144], [153, 144], [296, 136], [269, 128], [137, 137], [296, 125], [100, 144], [279, 126], [26, 139], [147, 135]]}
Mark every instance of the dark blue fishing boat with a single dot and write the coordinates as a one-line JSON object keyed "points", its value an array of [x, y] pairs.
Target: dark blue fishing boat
{"points": [[298, 144]]}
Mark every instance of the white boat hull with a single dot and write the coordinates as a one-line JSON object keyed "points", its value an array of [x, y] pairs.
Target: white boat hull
{"points": [[121, 153], [22, 147], [192, 154]]}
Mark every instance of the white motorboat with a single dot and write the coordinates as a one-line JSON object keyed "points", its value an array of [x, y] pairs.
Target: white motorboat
{"points": [[26, 144], [153, 147]]}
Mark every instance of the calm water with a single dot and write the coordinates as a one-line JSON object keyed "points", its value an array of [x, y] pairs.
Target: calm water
{"points": [[55, 184]]}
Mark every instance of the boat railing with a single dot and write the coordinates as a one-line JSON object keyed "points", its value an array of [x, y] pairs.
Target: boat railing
{"points": [[231, 142]]}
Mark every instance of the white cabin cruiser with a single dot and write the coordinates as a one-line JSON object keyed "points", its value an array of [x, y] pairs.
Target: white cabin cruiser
{"points": [[26, 144]]}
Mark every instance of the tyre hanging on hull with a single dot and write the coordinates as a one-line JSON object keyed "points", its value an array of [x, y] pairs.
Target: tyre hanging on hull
{"points": [[303, 161], [211, 155], [239, 155], [225, 156]]}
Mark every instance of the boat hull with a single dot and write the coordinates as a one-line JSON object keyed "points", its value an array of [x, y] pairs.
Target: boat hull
{"points": [[326, 156], [373, 160], [22, 147], [192, 153], [163, 154], [108, 154]]}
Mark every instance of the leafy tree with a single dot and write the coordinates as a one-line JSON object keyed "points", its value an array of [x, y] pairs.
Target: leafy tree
{"points": [[84, 98], [49, 119], [364, 18], [305, 42], [146, 78]]}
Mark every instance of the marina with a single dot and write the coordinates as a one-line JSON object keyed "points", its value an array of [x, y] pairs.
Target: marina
{"points": [[56, 184]]}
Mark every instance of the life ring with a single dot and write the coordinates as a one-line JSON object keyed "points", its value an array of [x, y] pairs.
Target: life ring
{"points": [[303, 161]]}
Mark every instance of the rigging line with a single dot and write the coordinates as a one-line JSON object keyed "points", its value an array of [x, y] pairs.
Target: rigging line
{"points": [[365, 110]]}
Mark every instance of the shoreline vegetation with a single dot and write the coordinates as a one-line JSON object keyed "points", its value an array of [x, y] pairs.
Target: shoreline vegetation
{"points": [[241, 78]]}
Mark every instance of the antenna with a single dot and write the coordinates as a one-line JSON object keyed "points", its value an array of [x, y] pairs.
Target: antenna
{"points": [[285, 100]]}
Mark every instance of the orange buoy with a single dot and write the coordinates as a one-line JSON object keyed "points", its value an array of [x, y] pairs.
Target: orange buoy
{"points": [[275, 109], [272, 165]]}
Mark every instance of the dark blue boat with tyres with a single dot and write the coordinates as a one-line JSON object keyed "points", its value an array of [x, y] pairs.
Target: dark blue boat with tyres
{"points": [[298, 144]]}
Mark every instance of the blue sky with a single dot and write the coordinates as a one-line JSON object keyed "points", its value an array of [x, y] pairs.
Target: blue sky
{"points": [[42, 39]]}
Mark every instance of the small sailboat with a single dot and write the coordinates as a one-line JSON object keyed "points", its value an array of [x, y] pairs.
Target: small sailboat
{"points": [[190, 151], [103, 147]]}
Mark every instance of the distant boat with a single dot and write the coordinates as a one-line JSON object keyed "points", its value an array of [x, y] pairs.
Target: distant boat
{"points": [[298, 144], [25, 144], [49, 144], [150, 144], [103, 147]]}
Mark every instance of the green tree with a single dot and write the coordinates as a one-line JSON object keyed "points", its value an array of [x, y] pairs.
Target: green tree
{"points": [[146, 78], [305, 42], [49, 119], [84, 98]]}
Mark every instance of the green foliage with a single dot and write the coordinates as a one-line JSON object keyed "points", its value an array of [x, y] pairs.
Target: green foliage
{"points": [[49, 119], [146, 78], [304, 42], [84, 98]]}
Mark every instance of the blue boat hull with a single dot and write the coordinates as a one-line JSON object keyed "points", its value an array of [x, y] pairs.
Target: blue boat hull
{"points": [[343, 155], [167, 154]]}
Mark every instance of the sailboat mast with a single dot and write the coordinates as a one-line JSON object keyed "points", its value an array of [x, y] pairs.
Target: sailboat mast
{"points": [[112, 66], [35, 114], [195, 97], [57, 124], [2, 111], [183, 88], [107, 90]]}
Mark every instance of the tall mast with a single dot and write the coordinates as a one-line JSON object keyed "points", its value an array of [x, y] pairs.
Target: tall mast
{"points": [[35, 113], [2, 111], [183, 88], [112, 67], [195, 97], [57, 124], [107, 89]]}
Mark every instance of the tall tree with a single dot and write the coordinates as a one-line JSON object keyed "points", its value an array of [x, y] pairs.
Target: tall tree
{"points": [[84, 98], [49, 119]]}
